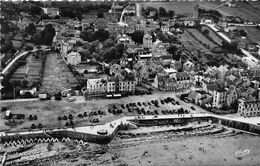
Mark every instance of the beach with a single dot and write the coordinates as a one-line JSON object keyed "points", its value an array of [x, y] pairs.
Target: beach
{"points": [[145, 148]]}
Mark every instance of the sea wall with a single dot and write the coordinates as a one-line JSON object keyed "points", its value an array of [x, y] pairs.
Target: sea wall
{"points": [[170, 121], [225, 122], [105, 139], [60, 134], [239, 125]]}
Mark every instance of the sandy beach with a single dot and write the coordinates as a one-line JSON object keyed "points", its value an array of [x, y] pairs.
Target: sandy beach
{"points": [[151, 149]]}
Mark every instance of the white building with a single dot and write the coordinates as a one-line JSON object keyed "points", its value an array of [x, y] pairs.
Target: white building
{"points": [[52, 12], [147, 40], [96, 86], [74, 58], [220, 98], [249, 108]]}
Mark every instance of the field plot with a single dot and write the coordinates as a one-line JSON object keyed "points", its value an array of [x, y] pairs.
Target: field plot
{"points": [[201, 37], [192, 44], [179, 7], [213, 35], [56, 76], [253, 33], [244, 10]]}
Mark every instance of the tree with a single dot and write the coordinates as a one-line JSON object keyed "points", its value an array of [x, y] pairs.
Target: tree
{"points": [[8, 45], [36, 38], [109, 43], [206, 32], [25, 83], [173, 50], [87, 35], [242, 33], [171, 14], [35, 10], [162, 12], [119, 50], [101, 35], [48, 34], [100, 15], [47, 40], [85, 54], [137, 36]]}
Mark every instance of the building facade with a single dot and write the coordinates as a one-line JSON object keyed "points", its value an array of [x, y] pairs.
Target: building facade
{"points": [[172, 82], [74, 58], [220, 98], [248, 108]]}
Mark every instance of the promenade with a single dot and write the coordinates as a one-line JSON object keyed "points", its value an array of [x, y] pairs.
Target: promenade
{"points": [[110, 127]]}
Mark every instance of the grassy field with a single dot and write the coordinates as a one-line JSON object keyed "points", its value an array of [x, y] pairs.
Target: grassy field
{"points": [[56, 76], [253, 33], [213, 35], [201, 37], [180, 7], [247, 11]]}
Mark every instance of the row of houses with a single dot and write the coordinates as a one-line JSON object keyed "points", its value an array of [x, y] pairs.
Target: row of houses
{"points": [[103, 85]]}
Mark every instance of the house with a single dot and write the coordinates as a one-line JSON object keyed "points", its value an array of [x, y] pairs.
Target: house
{"points": [[220, 98], [254, 71], [198, 79], [225, 97], [141, 72], [129, 29], [199, 98], [147, 40], [64, 47], [209, 86], [232, 95], [172, 82], [116, 70], [230, 28], [74, 58], [248, 108], [206, 21], [188, 66], [124, 39], [189, 21], [159, 48], [165, 28], [52, 12], [97, 84], [177, 65], [194, 97], [101, 23]]}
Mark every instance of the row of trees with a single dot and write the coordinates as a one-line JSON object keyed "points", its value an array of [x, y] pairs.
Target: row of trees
{"points": [[90, 35], [158, 13], [44, 37]]}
